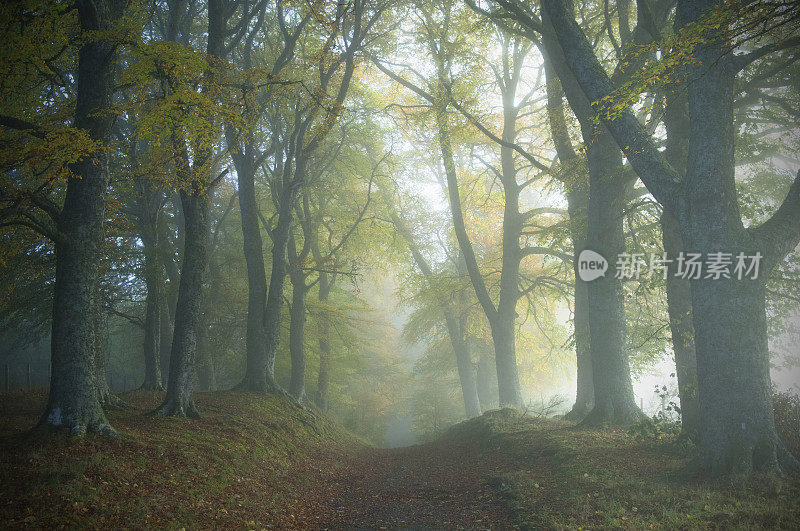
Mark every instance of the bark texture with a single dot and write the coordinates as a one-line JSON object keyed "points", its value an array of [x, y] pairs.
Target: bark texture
{"points": [[179, 400], [154, 282], [679, 306], [73, 401], [679, 291], [325, 361], [573, 175], [738, 431], [614, 401]]}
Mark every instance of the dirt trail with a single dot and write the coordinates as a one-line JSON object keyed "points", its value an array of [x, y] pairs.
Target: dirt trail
{"points": [[432, 485]]}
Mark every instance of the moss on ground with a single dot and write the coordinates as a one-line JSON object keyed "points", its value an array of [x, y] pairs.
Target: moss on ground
{"points": [[246, 463], [551, 475]]}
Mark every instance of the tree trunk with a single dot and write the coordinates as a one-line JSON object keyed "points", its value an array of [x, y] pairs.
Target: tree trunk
{"points": [[503, 323], [256, 340], [206, 373], [169, 301], [466, 372], [576, 182], [325, 361], [196, 205], [679, 305], [154, 281], [577, 206], [73, 401], [679, 291], [614, 401], [485, 376], [297, 349], [100, 330], [737, 425], [179, 400], [205, 358], [613, 391], [165, 340], [262, 378]]}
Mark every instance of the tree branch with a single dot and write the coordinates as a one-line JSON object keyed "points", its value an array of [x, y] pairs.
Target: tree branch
{"points": [[651, 166], [527, 251], [22, 125], [741, 61], [781, 233]]}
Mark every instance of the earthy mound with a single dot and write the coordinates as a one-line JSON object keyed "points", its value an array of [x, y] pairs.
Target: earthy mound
{"points": [[244, 464]]}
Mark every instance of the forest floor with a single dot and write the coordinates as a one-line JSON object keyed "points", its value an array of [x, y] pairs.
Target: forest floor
{"points": [[254, 463]]}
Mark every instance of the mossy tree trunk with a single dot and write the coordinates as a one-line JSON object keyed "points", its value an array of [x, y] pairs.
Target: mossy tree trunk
{"points": [[73, 400]]}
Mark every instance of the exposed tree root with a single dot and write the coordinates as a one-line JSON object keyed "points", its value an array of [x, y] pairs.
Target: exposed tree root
{"points": [[609, 416], [578, 412], [109, 400], [55, 420], [177, 408], [767, 459]]}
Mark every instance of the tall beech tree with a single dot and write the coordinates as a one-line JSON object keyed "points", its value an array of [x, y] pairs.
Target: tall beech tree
{"points": [[247, 157], [436, 34], [196, 182], [609, 186], [738, 431], [77, 226], [348, 30], [456, 323]]}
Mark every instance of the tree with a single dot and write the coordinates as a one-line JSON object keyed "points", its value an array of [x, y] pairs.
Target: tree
{"points": [[608, 183], [246, 159], [307, 123], [455, 323], [315, 218], [437, 32], [77, 227], [574, 176], [197, 183], [738, 432]]}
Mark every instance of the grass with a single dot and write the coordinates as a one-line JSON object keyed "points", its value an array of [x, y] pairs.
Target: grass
{"points": [[256, 462], [552, 475], [245, 464]]}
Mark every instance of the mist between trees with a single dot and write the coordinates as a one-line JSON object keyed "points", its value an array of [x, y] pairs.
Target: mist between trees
{"points": [[375, 206]]}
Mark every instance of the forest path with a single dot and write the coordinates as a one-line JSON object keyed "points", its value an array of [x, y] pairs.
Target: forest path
{"points": [[431, 485]]}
